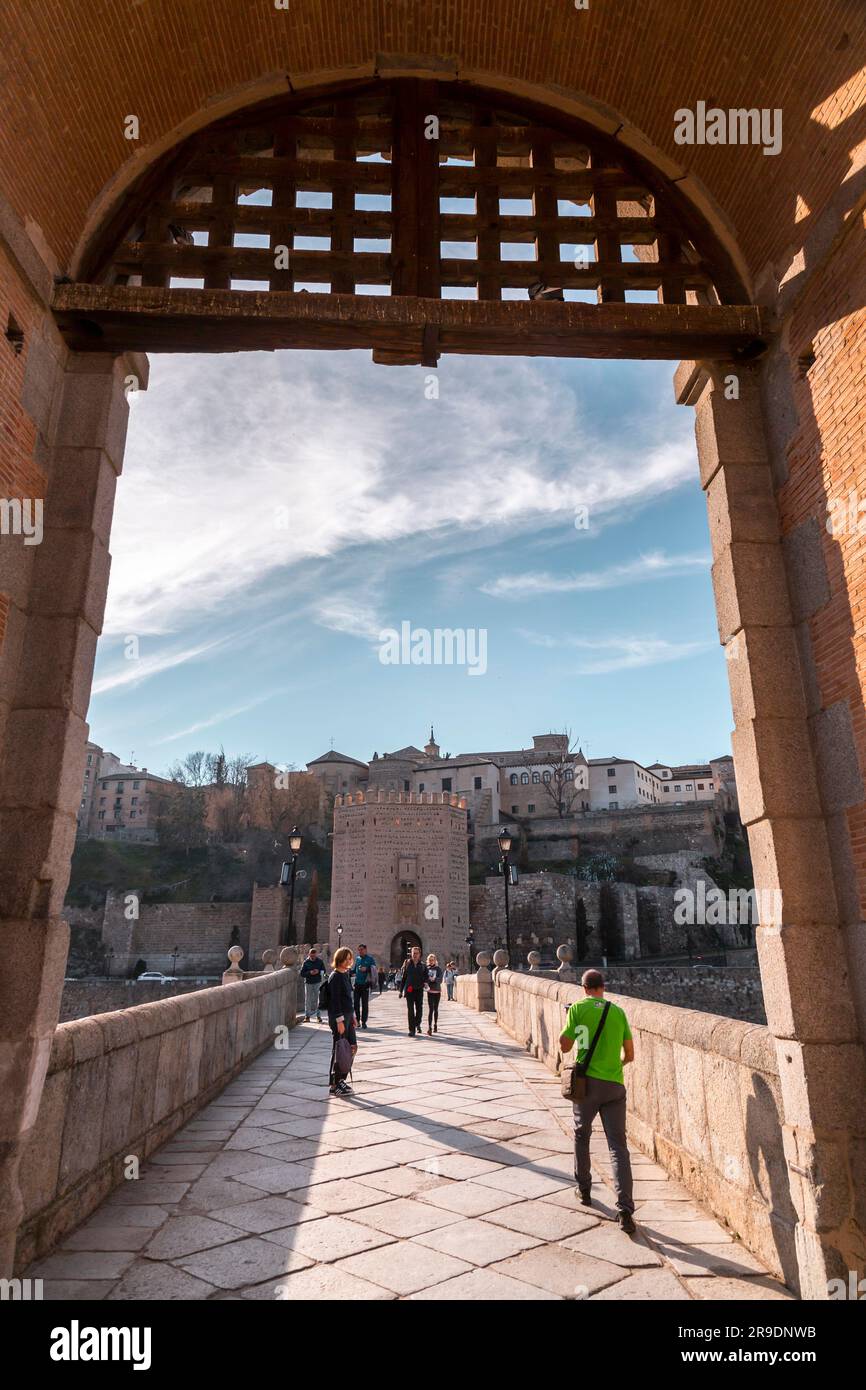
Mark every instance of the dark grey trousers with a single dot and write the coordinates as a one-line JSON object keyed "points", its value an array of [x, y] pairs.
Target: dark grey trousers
{"points": [[605, 1098]]}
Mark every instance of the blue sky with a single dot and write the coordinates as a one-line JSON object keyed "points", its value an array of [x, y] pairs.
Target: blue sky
{"points": [[278, 511]]}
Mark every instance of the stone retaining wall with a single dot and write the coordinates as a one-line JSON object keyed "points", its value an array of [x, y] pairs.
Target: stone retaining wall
{"points": [[704, 1102], [122, 1083], [81, 998], [733, 991]]}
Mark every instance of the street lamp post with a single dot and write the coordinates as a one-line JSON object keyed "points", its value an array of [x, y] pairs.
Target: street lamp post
{"points": [[505, 849], [287, 873], [174, 955], [470, 942], [339, 935]]}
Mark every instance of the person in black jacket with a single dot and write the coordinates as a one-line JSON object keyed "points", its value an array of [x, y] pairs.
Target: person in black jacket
{"points": [[341, 1014], [412, 986]]}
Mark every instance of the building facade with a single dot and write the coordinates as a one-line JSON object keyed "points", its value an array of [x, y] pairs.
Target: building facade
{"points": [[119, 801], [400, 873], [548, 779]]}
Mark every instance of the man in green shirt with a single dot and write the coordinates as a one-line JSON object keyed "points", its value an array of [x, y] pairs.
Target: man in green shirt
{"points": [[605, 1090]]}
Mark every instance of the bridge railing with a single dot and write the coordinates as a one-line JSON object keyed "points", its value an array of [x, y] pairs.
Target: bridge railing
{"points": [[704, 1102], [120, 1084]]}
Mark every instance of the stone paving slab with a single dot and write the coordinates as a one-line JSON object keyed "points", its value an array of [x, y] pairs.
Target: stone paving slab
{"points": [[447, 1176]]}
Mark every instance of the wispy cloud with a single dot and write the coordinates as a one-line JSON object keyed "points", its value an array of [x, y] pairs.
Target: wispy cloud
{"points": [[219, 718], [619, 653], [654, 565], [141, 668]]}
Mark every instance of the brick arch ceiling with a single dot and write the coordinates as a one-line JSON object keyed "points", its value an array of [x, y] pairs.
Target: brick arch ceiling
{"points": [[72, 75]]}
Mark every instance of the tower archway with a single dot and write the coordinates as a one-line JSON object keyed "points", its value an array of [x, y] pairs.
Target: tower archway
{"points": [[401, 945]]}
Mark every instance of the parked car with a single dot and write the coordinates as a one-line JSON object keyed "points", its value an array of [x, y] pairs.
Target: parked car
{"points": [[155, 975]]}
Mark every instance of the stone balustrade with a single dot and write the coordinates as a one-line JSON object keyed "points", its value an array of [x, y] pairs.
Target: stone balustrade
{"points": [[120, 1084], [704, 1102], [476, 990]]}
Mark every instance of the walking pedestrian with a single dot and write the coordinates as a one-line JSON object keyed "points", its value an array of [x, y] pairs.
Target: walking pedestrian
{"points": [[381, 979], [449, 977], [363, 972], [341, 1017], [433, 985], [312, 974], [604, 1046], [412, 986]]}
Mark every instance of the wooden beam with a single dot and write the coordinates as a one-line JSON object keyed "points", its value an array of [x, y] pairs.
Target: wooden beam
{"points": [[119, 318]]}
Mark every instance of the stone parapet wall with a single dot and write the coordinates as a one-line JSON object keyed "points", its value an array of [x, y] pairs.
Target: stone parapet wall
{"points": [[704, 1102], [474, 993], [122, 1083]]}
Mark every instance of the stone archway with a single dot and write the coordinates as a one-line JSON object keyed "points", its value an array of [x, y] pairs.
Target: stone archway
{"points": [[402, 944]]}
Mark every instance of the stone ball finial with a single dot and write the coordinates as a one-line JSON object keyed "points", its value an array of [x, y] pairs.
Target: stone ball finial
{"points": [[565, 954], [482, 960], [500, 959], [534, 958], [288, 957], [268, 958], [234, 974]]}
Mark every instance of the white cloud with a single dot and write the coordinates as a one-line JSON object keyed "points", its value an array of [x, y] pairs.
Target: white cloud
{"points": [[619, 653], [654, 565], [343, 614], [240, 469]]}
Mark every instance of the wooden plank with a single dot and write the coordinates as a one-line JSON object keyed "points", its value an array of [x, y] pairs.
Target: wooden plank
{"points": [[343, 206], [281, 223], [415, 206], [458, 180], [487, 218], [526, 228], [221, 232], [308, 173], [245, 260], [634, 275], [251, 217], [100, 318]]}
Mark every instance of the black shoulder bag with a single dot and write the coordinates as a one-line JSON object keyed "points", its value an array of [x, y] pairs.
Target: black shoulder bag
{"points": [[573, 1078]]}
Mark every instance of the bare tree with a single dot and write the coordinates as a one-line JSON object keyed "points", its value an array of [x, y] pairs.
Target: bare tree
{"points": [[183, 820], [228, 809], [289, 798], [558, 773]]}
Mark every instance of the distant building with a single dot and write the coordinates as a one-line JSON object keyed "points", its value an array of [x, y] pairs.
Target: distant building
{"points": [[400, 873], [546, 780], [119, 801]]}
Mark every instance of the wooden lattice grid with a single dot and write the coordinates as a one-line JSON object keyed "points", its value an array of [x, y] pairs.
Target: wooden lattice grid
{"points": [[363, 202]]}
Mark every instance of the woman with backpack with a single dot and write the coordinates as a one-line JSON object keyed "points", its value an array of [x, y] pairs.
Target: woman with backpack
{"points": [[341, 1016]]}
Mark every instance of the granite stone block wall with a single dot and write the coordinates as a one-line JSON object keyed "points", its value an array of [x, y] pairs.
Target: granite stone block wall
{"points": [[704, 1101], [121, 1084]]}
